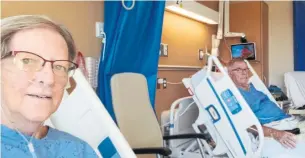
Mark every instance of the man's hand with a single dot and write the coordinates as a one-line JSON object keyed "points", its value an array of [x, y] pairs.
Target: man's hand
{"points": [[288, 140]]}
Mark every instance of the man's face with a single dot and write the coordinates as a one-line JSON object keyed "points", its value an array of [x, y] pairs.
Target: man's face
{"points": [[239, 72]]}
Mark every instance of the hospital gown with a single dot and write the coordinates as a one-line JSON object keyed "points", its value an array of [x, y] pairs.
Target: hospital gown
{"points": [[55, 144], [265, 110]]}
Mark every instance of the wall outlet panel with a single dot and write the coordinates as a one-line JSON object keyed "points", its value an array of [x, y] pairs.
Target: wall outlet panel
{"points": [[163, 50], [99, 29], [200, 54]]}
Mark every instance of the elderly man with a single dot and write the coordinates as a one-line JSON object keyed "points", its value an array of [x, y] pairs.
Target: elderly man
{"points": [[267, 112]]}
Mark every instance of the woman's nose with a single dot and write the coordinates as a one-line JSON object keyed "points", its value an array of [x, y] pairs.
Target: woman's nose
{"points": [[46, 74]]}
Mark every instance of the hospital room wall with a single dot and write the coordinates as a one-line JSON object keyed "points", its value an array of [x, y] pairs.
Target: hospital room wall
{"points": [[280, 41], [79, 17], [184, 37]]}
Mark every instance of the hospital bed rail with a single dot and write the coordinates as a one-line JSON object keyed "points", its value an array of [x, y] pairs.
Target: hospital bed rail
{"points": [[222, 119]]}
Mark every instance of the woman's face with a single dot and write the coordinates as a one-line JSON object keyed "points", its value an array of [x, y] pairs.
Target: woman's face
{"points": [[34, 95]]}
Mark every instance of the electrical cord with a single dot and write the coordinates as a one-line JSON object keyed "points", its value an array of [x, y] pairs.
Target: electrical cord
{"points": [[30, 144], [104, 45]]}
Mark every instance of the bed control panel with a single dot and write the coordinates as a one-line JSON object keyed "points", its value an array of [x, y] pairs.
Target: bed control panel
{"points": [[231, 101]]}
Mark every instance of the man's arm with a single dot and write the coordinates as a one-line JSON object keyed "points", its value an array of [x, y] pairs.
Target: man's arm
{"points": [[269, 132]]}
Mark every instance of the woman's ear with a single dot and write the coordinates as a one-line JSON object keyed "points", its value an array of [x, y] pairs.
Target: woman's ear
{"points": [[68, 85], [72, 85]]}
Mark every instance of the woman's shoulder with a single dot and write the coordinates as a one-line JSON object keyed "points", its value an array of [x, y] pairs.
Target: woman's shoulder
{"points": [[69, 141], [61, 135]]}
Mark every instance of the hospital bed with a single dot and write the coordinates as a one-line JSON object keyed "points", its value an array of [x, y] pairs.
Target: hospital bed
{"points": [[222, 111], [228, 124], [295, 86], [83, 115]]}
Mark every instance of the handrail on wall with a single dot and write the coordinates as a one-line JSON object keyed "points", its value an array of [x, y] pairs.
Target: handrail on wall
{"points": [[178, 68]]}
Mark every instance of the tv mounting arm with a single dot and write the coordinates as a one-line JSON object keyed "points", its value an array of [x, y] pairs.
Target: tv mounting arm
{"points": [[226, 12], [224, 27]]}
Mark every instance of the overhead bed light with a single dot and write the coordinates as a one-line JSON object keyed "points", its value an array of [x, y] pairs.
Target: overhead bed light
{"points": [[193, 10]]}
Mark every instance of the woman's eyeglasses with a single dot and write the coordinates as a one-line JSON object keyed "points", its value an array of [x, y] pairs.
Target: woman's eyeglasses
{"points": [[239, 70], [31, 62]]}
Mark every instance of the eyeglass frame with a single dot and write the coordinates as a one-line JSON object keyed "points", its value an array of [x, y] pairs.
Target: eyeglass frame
{"points": [[14, 53], [242, 70]]}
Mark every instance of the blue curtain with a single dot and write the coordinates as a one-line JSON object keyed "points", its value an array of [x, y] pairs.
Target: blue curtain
{"points": [[299, 35], [132, 44]]}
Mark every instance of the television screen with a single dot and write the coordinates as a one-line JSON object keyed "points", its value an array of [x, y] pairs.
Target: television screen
{"points": [[244, 50]]}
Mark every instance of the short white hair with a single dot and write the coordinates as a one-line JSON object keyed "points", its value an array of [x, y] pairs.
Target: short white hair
{"points": [[233, 61]]}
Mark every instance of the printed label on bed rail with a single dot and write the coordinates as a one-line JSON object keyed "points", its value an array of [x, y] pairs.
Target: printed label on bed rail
{"points": [[231, 101]]}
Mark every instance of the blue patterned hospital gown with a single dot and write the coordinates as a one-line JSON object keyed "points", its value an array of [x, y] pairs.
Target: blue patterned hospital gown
{"points": [[55, 144]]}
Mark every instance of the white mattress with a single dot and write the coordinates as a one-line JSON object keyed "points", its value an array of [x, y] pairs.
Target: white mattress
{"points": [[273, 149]]}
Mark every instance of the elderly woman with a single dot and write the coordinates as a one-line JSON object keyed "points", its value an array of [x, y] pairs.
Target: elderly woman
{"points": [[36, 63]]}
